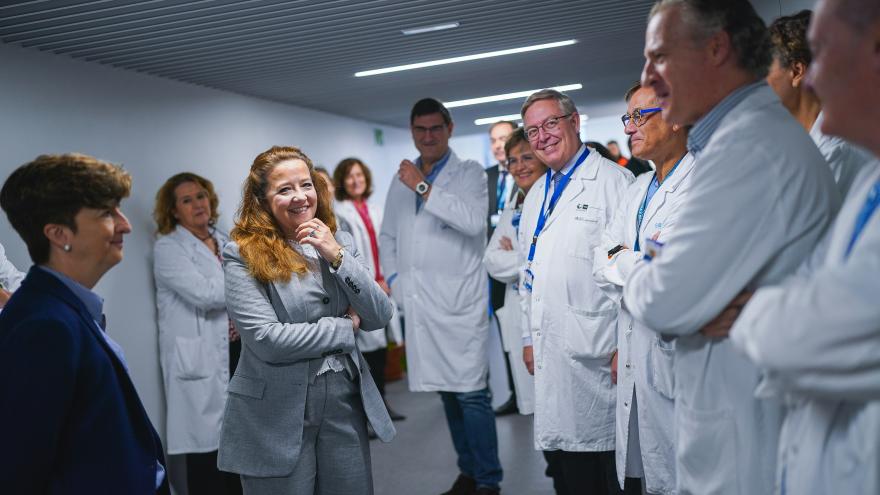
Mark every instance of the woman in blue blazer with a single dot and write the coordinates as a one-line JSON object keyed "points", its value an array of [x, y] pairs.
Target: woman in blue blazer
{"points": [[73, 420]]}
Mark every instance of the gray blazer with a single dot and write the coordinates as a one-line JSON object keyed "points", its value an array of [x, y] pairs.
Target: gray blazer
{"points": [[286, 330]]}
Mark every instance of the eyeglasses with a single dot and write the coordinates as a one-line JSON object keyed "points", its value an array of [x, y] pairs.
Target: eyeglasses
{"points": [[548, 125], [436, 129], [639, 116]]}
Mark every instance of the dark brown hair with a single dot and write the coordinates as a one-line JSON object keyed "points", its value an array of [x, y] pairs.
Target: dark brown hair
{"points": [[517, 137], [52, 189], [789, 36], [341, 172]]}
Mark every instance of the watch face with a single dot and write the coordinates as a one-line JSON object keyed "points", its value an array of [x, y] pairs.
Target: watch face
{"points": [[421, 188]]}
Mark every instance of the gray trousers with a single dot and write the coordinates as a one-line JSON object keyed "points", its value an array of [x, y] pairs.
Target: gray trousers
{"points": [[335, 455]]}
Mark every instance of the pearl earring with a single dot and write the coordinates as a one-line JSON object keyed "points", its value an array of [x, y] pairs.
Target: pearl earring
{"points": [[67, 248]]}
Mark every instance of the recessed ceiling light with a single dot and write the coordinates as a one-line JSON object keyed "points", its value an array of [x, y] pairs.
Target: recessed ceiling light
{"points": [[491, 120], [464, 58], [430, 29], [506, 96]]}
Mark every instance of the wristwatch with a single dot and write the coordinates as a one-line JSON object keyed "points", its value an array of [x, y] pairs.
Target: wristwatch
{"points": [[337, 261], [422, 187]]}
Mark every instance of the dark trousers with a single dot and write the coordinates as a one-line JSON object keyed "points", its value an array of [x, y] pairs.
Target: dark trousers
{"points": [[376, 361], [583, 473], [472, 426], [203, 477]]}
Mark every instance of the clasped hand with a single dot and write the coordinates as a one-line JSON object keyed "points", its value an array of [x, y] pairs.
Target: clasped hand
{"points": [[719, 327], [410, 174], [314, 233]]}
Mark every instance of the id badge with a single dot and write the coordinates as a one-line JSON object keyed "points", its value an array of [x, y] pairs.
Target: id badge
{"points": [[528, 280], [653, 249]]}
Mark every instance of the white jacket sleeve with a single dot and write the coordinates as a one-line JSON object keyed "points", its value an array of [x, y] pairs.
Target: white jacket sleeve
{"points": [[10, 277], [173, 267], [820, 335], [734, 225], [389, 232], [501, 264], [465, 208], [611, 274]]}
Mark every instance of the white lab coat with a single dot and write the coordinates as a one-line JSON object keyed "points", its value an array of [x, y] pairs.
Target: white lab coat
{"points": [[193, 339], [10, 277], [505, 266], [346, 211], [645, 360], [817, 336], [845, 159], [572, 322], [760, 199], [440, 286]]}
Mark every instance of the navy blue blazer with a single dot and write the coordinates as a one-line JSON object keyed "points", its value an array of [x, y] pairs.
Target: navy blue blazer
{"points": [[71, 417]]}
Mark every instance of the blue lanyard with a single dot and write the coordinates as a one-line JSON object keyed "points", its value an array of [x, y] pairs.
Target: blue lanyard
{"points": [[435, 171], [557, 192], [500, 189], [870, 207], [653, 187]]}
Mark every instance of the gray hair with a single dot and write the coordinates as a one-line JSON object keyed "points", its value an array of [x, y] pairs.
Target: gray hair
{"points": [[748, 33], [566, 104], [857, 13]]}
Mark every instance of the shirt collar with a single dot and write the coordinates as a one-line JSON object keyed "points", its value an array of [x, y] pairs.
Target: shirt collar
{"points": [[703, 129], [93, 302], [568, 166]]}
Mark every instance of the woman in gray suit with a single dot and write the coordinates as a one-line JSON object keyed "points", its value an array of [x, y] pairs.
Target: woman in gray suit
{"points": [[299, 402]]}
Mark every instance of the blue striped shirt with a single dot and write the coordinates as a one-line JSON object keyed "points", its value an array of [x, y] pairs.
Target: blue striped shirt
{"points": [[702, 131]]}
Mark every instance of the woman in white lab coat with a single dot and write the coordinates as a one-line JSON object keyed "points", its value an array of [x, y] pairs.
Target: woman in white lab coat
{"points": [[194, 329], [503, 262], [353, 185]]}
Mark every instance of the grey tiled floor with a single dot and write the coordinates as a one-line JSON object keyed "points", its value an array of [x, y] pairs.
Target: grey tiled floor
{"points": [[421, 459]]}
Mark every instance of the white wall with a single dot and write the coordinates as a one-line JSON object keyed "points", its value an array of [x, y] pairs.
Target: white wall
{"points": [[156, 127]]}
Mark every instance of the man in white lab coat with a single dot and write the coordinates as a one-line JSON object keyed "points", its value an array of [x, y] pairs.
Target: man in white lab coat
{"points": [[643, 365], [431, 246], [760, 200], [569, 328], [817, 334]]}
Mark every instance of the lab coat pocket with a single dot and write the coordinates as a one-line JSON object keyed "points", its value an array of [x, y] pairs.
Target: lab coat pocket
{"points": [[193, 360], [706, 452], [585, 233], [590, 334], [661, 360]]}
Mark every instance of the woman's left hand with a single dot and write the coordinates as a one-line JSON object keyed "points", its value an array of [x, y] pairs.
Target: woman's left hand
{"points": [[314, 233]]}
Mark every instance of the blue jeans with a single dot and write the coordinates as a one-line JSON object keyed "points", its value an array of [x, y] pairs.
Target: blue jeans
{"points": [[472, 426]]}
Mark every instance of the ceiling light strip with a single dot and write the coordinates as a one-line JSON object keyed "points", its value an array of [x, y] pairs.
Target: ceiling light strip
{"points": [[430, 29], [506, 96], [491, 120], [464, 58]]}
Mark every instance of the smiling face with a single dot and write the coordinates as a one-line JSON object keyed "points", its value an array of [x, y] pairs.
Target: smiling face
{"points": [[192, 206], [355, 182], [97, 242], [651, 140], [431, 136], [524, 166], [558, 146], [291, 194], [674, 65]]}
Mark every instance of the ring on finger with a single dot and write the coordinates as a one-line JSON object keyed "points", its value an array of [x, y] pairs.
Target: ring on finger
{"points": [[312, 233]]}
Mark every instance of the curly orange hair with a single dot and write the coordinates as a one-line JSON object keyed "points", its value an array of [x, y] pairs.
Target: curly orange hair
{"points": [[261, 241]]}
